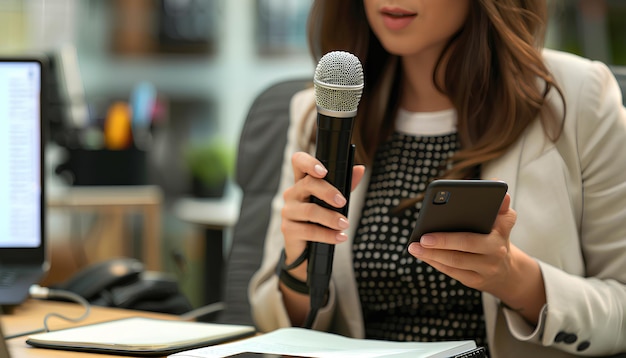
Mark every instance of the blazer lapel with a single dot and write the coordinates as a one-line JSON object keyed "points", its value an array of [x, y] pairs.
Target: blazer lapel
{"points": [[531, 144], [506, 168]]}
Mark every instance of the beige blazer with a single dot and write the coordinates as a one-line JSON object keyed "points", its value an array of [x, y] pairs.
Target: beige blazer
{"points": [[570, 197]]}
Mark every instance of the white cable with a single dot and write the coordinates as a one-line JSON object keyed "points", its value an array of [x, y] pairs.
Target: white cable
{"points": [[39, 292], [201, 311]]}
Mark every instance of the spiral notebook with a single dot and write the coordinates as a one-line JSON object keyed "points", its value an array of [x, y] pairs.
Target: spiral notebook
{"points": [[479, 352]]}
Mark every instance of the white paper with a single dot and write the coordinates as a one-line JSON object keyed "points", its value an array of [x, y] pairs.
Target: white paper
{"points": [[302, 342]]}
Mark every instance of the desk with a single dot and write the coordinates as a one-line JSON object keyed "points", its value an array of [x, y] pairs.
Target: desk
{"points": [[113, 202], [29, 316], [216, 216]]}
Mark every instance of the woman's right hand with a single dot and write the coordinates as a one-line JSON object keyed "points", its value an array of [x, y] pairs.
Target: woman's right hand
{"points": [[303, 220]]}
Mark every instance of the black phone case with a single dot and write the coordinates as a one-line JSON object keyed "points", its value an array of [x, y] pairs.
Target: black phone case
{"points": [[459, 206]]}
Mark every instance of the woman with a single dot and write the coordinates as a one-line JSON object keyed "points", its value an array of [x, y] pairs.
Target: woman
{"points": [[460, 89]]}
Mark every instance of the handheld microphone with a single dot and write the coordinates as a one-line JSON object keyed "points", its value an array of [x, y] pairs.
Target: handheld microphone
{"points": [[338, 85]]}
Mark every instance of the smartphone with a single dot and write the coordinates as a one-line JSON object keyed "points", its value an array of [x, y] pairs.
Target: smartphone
{"points": [[459, 206]]}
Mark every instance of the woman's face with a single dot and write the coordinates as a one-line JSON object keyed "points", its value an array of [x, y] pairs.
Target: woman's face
{"points": [[415, 27]]}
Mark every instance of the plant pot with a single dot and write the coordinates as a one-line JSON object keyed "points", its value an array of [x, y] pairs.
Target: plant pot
{"points": [[200, 189]]}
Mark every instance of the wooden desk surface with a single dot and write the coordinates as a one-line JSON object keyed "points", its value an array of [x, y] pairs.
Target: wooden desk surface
{"points": [[29, 316]]}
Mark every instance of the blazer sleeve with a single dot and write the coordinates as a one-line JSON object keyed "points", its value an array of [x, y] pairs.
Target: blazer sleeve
{"points": [[587, 314], [265, 297]]}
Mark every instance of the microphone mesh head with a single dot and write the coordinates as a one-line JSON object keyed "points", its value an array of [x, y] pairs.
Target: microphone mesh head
{"points": [[338, 82]]}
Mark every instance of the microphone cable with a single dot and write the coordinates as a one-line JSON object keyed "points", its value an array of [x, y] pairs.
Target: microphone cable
{"points": [[318, 280], [39, 292]]}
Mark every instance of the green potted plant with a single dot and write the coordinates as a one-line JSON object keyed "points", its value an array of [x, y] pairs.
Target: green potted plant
{"points": [[211, 165]]}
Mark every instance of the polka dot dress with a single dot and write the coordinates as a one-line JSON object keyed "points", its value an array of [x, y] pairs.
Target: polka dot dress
{"points": [[405, 299]]}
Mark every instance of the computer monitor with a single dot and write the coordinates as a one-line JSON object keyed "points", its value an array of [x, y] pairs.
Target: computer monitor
{"points": [[23, 259]]}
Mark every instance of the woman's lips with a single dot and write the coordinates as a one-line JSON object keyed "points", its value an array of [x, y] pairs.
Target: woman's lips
{"points": [[397, 19]]}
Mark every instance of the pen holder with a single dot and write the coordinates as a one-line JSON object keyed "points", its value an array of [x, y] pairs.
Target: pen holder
{"points": [[86, 167]]}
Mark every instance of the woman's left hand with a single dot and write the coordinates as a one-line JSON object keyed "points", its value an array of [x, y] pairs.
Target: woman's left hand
{"points": [[487, 262]]}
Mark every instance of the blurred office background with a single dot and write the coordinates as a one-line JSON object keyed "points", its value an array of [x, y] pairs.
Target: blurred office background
{"points": [[191, 68]]}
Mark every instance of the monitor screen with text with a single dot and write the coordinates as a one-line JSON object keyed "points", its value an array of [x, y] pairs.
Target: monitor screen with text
{"points": [[20, 154]]}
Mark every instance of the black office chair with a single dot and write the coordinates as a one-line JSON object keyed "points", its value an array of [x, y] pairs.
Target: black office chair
{"points": [[259, 159], [620, 75]]}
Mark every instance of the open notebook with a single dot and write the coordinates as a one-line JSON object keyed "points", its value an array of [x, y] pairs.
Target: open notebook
{"points": [[301, 342]]}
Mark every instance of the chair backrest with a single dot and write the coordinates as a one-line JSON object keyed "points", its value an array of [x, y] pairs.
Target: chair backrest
{"points": [[620, 75], [259, 159]]}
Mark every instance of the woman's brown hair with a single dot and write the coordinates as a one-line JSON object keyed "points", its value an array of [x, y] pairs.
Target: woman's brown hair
{"points": [[491, 75]]}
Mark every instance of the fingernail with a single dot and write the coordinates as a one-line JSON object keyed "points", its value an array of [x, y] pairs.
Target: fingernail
{"points": [[320, 170], [340, 200], [416, 249], [341, 237], [428, 240], [343, 223]]}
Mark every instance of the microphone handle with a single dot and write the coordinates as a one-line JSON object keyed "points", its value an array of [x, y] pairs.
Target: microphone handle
{"points": [[335, 151], [334, 136]]}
